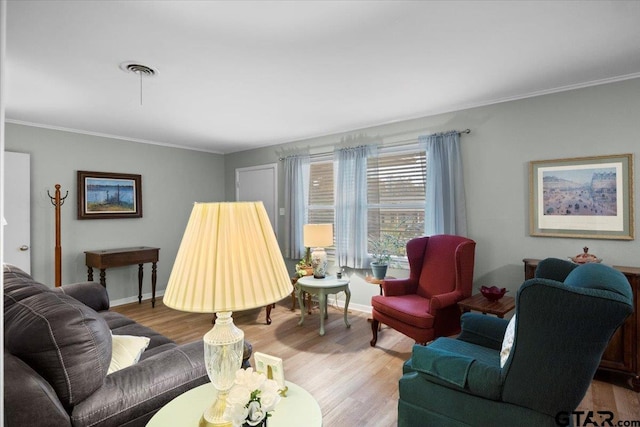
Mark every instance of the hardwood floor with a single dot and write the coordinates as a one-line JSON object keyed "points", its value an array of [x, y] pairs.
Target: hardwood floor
{"points": [[354, 384]]}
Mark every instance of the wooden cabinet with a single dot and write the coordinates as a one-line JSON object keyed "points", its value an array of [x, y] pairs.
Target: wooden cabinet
{"points": [[623, 352]]}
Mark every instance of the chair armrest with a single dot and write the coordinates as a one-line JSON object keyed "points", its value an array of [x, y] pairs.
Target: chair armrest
{"points": [[483, 330], [459, 365], [445, 365], [445, 300], [397, 287], [91, 294]]}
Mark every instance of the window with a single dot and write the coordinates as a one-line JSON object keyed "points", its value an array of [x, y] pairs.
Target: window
{"points": [[396, 196], [321, 208], [321, 200], [396, 193]]}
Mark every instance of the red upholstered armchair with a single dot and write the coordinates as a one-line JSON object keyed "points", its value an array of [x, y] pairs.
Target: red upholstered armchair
{"points": [[424, 305]]}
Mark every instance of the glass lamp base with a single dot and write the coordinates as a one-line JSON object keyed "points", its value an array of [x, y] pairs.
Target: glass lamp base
{"points": [[223, 349], [204, 423]]}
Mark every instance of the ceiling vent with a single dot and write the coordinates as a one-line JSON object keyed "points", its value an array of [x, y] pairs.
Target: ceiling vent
{"points": [[140, 70], [133, 67]]}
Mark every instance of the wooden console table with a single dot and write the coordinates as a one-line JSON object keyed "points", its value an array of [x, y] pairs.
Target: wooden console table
{"points": [[622, 355], [109, 258]]}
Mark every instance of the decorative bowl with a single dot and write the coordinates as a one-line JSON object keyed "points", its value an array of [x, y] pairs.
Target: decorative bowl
{"points": [[493, 293]]}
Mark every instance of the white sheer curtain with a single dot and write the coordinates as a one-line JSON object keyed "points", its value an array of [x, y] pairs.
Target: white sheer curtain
{"points": [[351, 206], [296, 196], [445, 206]]}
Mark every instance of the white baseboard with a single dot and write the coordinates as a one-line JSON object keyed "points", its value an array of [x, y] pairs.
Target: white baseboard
{"points": [[129, 300], [331, 301], [340, 304]]}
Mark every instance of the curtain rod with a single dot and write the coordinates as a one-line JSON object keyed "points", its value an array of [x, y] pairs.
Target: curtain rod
{"points": [[392, 144], [412, 140]]}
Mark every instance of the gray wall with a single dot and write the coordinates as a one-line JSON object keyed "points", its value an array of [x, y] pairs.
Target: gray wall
{"points": [[172, 179], [592, 121]]}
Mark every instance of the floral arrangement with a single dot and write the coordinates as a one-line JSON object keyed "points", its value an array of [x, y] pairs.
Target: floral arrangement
{"points": [[304, 267], [251, 398]]}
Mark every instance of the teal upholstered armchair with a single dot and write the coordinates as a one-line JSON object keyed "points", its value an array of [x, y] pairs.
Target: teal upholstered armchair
{"points": [[563, 325]]}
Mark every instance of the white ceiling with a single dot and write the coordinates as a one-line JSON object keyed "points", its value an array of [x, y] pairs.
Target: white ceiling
{"points": [[238, 75]]}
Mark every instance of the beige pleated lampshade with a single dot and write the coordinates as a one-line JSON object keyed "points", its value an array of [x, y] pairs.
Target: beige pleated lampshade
{"points": [[317, 235], [229, 260]]}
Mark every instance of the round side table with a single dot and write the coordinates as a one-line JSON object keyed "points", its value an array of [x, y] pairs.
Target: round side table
{"points": [[323, 287], [186, 409]]}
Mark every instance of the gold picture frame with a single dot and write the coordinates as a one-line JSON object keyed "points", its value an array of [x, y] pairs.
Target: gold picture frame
{"points": [[271, 367], [582, 197]]}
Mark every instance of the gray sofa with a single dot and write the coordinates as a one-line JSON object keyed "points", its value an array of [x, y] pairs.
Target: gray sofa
{"points": [[57, 350]]}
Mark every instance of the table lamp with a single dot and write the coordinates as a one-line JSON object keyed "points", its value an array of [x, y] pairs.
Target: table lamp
{"points": [[318, 236], [229, 260]]}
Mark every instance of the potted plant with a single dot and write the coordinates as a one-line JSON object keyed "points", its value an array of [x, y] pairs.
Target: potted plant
{"points": [[304, 267], [382, 249]]}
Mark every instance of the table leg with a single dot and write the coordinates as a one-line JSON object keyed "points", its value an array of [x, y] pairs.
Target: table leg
{"points": [[269, 307], [293, 297], [326, 312], [322, 301], [346, 307], [154, 276], [90, 274], [103, 280], [302, 308], [140, 283]]}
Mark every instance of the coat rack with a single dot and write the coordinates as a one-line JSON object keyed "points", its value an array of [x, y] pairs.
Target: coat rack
{"points": [[58, 201]]}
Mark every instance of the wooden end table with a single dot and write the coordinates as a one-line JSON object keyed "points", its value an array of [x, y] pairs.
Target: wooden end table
{"points": [[375, 281], [479, 303]]}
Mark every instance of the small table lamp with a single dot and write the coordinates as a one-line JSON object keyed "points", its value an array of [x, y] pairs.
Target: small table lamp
{"points": [[318, 236], [229, 260]]}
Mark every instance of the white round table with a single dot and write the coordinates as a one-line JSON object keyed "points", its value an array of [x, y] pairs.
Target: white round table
{"points": [[296, 409], [322, 287]]}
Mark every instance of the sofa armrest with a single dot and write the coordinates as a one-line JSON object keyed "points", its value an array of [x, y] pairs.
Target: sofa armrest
{"points": [[138, 391], [397, 287], [483, 330], [28, 398], [91, 294], [445, 300]]}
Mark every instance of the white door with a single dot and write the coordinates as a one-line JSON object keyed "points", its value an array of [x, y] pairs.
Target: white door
{"points": [[17, 210], [259, 184]]}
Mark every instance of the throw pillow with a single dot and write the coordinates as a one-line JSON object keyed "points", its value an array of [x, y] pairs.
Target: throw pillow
{"points": [[507, 341], [126, 351]]}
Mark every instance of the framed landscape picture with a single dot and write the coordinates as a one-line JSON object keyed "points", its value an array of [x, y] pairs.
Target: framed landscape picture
{"points": [[103, 195], [585, 197]]}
